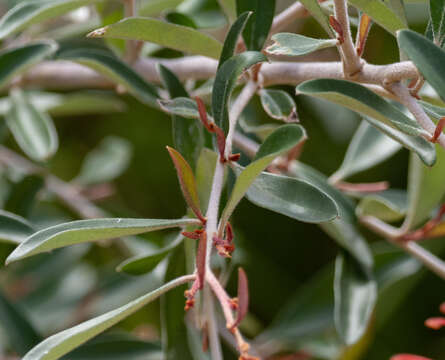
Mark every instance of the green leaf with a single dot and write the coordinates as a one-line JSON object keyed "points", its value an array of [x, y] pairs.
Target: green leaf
{"points": [[204, 175], [279, 142], [178, 18], [296, 45], [63, 342], [22, 195], [156, 7], [173, 36], [180, 106], [188, 137], [13, 228], [229, 7], [279, 105], [33, 130], [105, 162], [17, 328], [17, 60], [26, 13], [363, 101], [225, 82], [315, 10], [291, 197], [258, 26], [143, 264], [381, 14], [116, 70], [355, 297], [367, 148], [81, 231], [390, 205], [437, 17], [427, 57], [232, 37], [433, 110]]}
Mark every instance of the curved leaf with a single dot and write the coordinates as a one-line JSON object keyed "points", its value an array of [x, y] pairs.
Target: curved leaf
{"points": [[315, 10], [81, 231], [390, 205], [278, 104], [63, 342], [296, 45], [173, 36], [437, 17], [180, 106], [178, 18], [13, 228], [33, 130], [225, 82], [116, 70]]}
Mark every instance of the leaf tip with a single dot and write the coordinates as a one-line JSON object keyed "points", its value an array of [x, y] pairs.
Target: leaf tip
{"points": [[97, 33]]}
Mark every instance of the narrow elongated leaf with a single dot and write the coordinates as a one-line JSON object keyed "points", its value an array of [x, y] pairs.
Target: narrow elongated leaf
{"points": [[13, 228], [178, 18], [315, 10], [33, 130], [26, 13], [361, 100], [427, 57], [381, 13], [225, 82], [243, 298], [63, 342], [279, 142], [173, 36], [258, 26], [355, 296], [180, 106], [232, 37], [116, 70], [433, 110], [437, 17], [17, 60], [296, 45], [204, 179], [279, 105], [390, 205], [81, 231], [188, 137], [367, 148]]}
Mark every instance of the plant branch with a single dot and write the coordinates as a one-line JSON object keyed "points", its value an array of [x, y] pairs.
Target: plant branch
{"points": [[212, 326], [287, 16], [132, 46]]}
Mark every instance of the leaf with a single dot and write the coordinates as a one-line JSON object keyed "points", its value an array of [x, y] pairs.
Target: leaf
{"points": [[258, 26], [156, 7], [143, 264], [27, 13], [296, 45], [178, 18], [116, 70], [279, 105], [427, 57], [204, 179], [291, 197], [63, 342], [435, 111], [17, 60], [315, 10], [105, 162], [363, 101], [178, 37], [180, 106], [243, 298], [390, 205], [13, 228], [225, 82], [367, 148], [22, 195], [188, 135], [229, 7], [355, 296], [437, 17], [81, 231], [33, 130], [279, 142], [231, 40], [187, 181], [381, 14], [17, 328]]}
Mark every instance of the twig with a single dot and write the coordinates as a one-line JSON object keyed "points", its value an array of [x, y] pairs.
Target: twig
{"points": [[132, 46], [212, 326], [287, 16]]}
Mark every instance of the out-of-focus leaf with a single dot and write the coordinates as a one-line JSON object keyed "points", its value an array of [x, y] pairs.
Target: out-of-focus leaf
{"points": [[278, 104], [390, 205], [13, 228], [106, 162], [143, 264], [232, 37], [81, 231], [381, 13], [17, 60], [21, 197], [433, 110], [367, 148], [279, 142], [33, 130], [156, 7], [63, 342], [437, 18], [19, 330], [296, 45], [315, 10], [116, 70], [178, 18], [26, 13], [229, 7], [355, 296], [258, 26], [173, 36], [427, 57], [180, 106], [225, 82], [188, 137]]}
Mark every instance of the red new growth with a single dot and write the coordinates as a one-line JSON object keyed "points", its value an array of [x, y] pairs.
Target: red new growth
{"points": [[408, 357], [337, 27], [438, 131], [243, 298], [435, 323]]}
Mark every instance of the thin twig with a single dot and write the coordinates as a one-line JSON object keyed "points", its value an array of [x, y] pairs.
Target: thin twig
{"points": [[212, 326], [132, 46]]}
